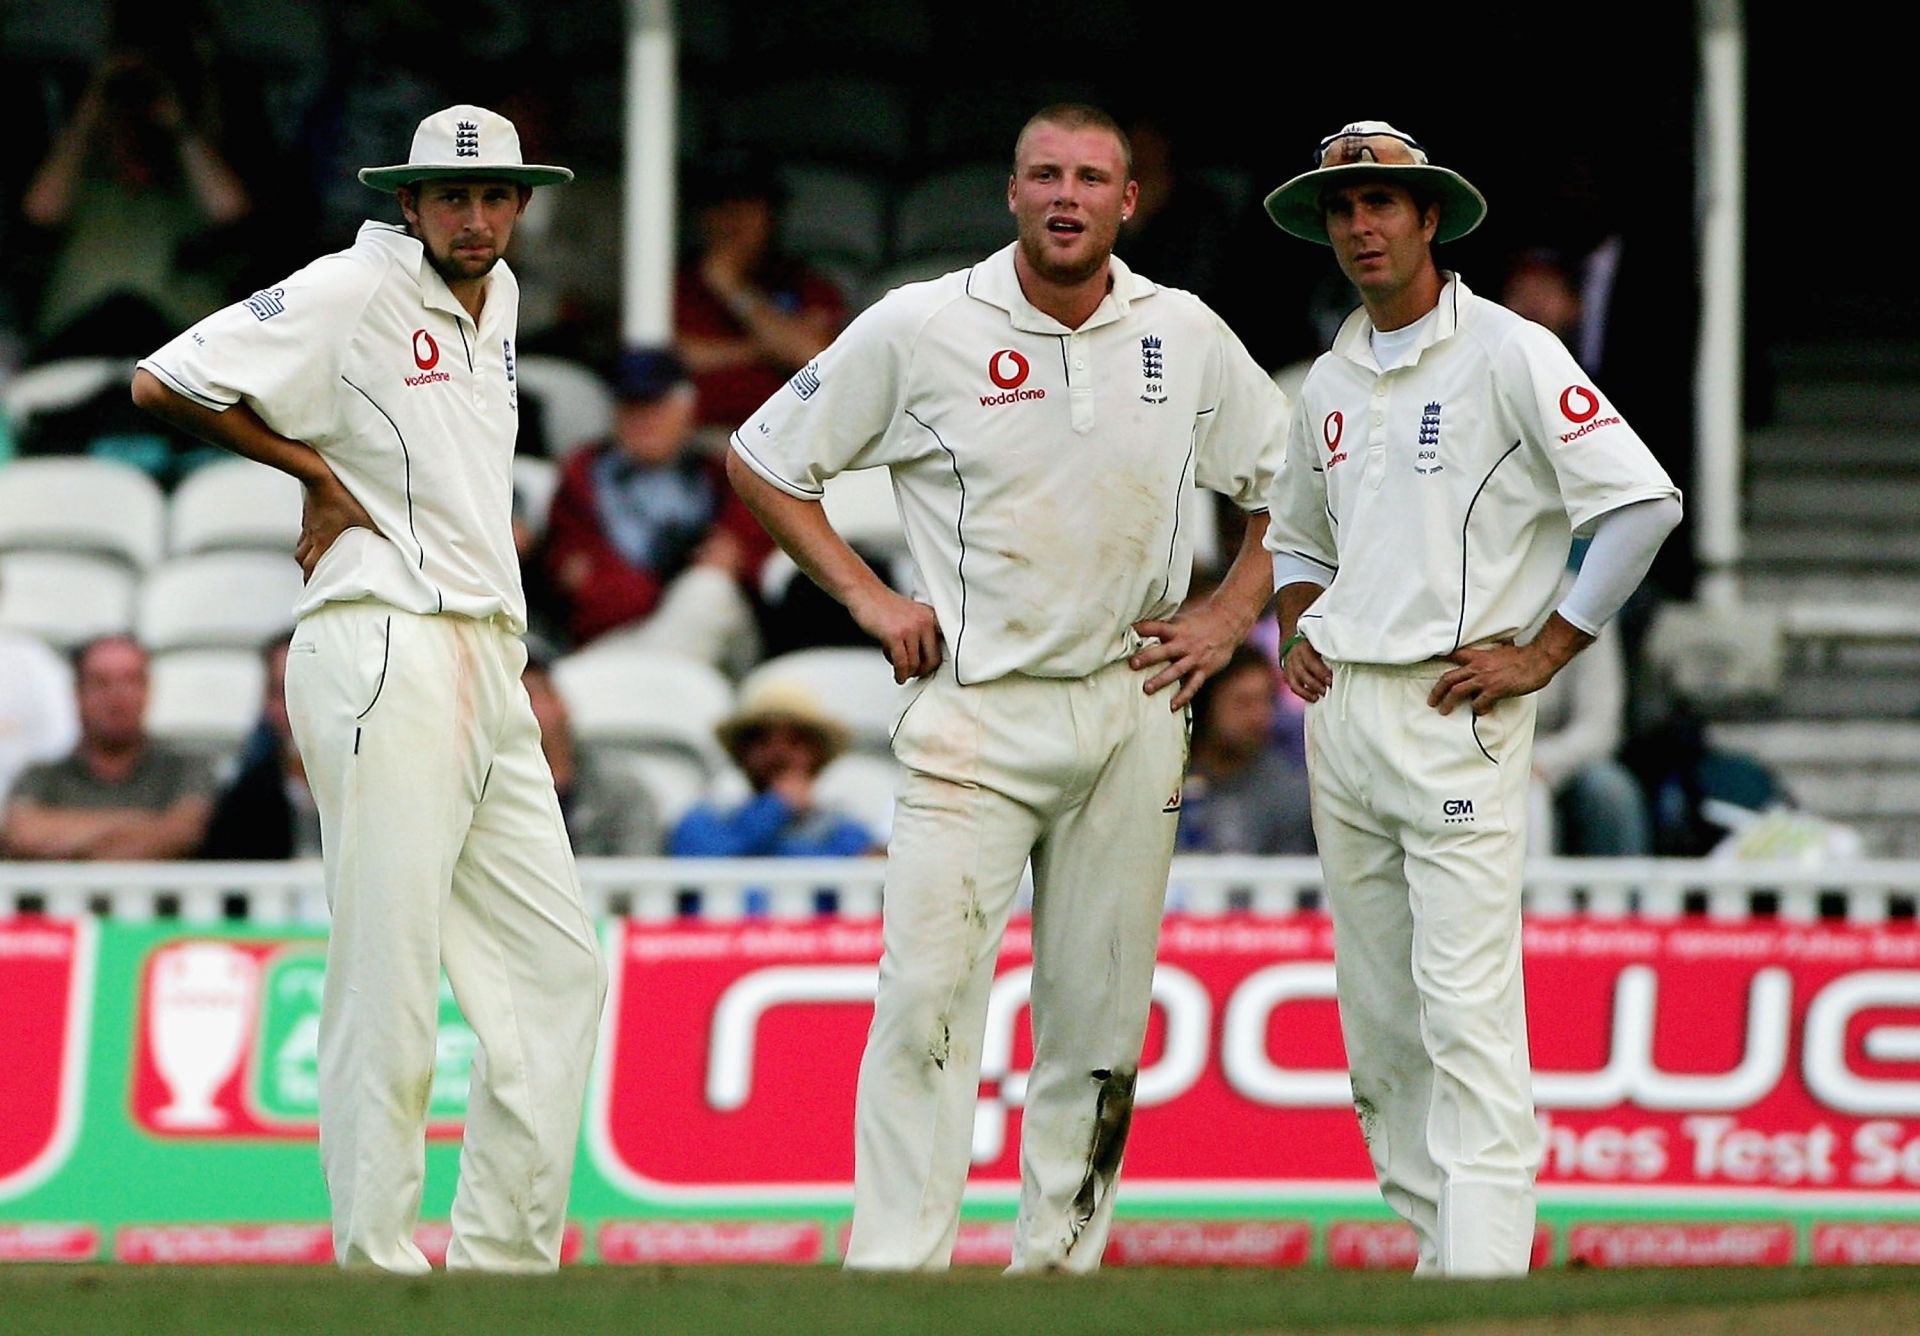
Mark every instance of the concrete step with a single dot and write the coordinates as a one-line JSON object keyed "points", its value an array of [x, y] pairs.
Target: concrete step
{"points": [[1836, 402], [1818, 546], [1827, 449], [1772, 586], [1863, 744], [1856, 497], [1860, 695]]}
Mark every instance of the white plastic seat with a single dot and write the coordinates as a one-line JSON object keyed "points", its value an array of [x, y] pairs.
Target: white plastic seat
{"points": [[576, 406], [76, 504], [671, 777], [218, 600], [52, 386], [534, 482], [234, 503], [960, 209], [833, 216], [862, 786], [644, 699], [860, 505], [65, 598], [207, 700], [853, 684]]}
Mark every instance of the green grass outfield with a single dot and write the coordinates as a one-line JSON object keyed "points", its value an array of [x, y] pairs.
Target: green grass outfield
{"points": [[147, 1301]]}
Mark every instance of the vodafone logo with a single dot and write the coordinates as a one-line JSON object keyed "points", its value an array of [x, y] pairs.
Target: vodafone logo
{"points": [[1330, 432], [1578, 403], [1015, 373], [1009, 371], [426, 356]]}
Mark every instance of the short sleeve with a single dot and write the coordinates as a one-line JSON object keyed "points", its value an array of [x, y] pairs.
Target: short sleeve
{"points": [[1297, 503], [1599, 461], [280, 350], [1241, 434], [836, 411]]}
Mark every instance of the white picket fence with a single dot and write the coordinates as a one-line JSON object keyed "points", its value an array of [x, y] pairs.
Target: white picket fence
{"points": [[662, 889]]}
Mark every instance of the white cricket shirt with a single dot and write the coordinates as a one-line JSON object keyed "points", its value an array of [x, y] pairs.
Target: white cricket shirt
{"points": [[1041, 472], [368, 357], [1437, 501]]}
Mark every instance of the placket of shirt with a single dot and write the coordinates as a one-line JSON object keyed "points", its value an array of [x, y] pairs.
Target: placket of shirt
{"points": [[1379, 403], [1078, 352], [476, 362]]}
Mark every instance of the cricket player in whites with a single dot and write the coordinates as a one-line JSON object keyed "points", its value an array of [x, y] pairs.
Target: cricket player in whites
{"points": [[1045, 415], [1441, 457], [382, 377]]}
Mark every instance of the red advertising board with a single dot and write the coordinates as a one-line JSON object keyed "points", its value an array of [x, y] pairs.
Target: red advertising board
{"points": [[46, 985], [1686, 1061]]}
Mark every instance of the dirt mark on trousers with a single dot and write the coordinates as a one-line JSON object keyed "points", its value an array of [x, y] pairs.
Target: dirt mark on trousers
{"points": [[1112, 1118]]}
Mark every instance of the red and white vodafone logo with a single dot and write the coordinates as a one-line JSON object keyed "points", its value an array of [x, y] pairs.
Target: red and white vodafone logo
{"points": [[1331, 429], [1008, 369], [426, 353], [1578, 403]]}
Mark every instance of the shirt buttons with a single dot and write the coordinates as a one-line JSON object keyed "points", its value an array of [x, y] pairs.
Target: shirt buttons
{"points": [[1079, 364]]}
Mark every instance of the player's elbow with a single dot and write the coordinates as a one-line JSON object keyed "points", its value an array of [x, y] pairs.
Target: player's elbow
{"points": [[148, 393]]}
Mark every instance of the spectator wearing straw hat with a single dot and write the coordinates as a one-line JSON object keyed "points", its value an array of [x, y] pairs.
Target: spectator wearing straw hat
{"points": [[781, 738]]}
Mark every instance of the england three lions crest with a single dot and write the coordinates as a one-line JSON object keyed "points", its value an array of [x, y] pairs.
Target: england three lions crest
{"points": [[1153, 371]]}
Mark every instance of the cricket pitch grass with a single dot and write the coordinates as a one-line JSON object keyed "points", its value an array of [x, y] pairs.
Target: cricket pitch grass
{"points": [[583, 1301]]}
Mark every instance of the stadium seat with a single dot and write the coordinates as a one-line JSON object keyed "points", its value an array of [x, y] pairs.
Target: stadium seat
{"points": [[854, 684], [53, 386], [961, 209], [534, 482], [205, 700], [673, 779], [862, 786], [640, 699], [833, 216], [576, 407], [82, 505], [234, 503], [65, 598], [864, 122], [218, 600], [860, 505]]}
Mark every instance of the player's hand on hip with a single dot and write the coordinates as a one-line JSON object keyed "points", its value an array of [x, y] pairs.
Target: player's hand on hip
{"points": [[1193, 646], [1307, 674], [328, 511], [1485, 677], [908, 631]]}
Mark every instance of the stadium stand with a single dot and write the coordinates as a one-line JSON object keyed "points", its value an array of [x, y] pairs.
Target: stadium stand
{"points": [[93, 506], [217, 600], [233, 503]]}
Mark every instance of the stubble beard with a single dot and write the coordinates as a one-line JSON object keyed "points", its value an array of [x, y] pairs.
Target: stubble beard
{"points": [[1057, 272]]}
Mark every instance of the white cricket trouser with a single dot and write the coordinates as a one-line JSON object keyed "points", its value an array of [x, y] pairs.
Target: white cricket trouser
{"points": [[1076, 773], [1421, 823], [444, 846]]}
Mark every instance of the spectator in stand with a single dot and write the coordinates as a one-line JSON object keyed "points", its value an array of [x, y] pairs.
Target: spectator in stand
{"points": [[130, 187], [1583, 801], [37, 719], [1174, 233], [1244, 794], [608, 815], [119, 796], [781, 739], [267, 810], [746, 316], [646, 538]]}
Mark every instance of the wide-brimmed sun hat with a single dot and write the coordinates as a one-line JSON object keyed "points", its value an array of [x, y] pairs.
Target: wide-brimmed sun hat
{"points": [[465, 141], [1374, 151], [778, 701]]}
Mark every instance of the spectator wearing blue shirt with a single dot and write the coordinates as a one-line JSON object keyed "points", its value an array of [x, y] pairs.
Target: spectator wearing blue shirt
{"points": [[781, 739]]}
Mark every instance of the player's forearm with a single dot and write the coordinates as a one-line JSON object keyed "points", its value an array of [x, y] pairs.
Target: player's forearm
{"points": [[805, 534], [33, 831], [174, 833], [1295, 598], [238, 429], [1248, 586], [218, 190], [1559, 640]]}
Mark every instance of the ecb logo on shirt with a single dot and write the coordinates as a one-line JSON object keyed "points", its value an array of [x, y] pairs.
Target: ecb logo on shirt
{"points": [[1153, 371], [1428, 458], [513, 388]]}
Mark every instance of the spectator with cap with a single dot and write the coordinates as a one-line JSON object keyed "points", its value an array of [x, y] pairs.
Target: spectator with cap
{"points": [[120, 796], [746, 315], [781, 738], [645, 537], [608, 814], [267, 811]]}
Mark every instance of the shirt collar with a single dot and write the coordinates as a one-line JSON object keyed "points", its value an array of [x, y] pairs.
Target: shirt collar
{"points": [[408, 250], [1355, 339], [995, 281]]}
